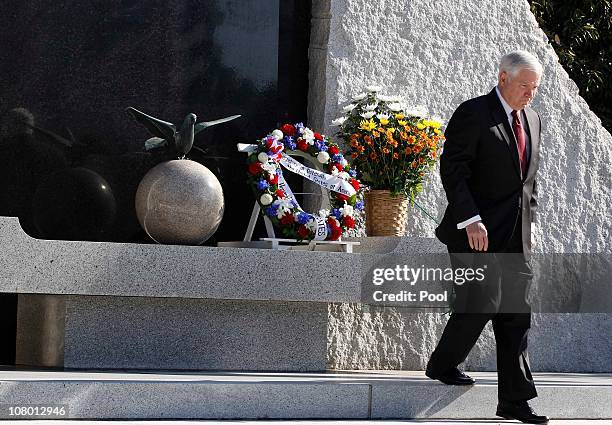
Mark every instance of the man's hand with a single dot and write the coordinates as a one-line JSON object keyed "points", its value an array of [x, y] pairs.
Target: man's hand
{"points": [[477, 236]]}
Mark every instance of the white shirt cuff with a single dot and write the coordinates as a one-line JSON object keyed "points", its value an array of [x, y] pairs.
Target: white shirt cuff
{"points": [[469, 221]]}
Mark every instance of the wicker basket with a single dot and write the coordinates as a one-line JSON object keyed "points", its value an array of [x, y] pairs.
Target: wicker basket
{"points": [[386, 215]]}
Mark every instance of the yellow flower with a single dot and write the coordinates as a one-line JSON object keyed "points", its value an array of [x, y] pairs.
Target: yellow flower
{"points": [[434, 124], [384, 121], [367, 125], [421, 125], [400, 117], [402, 122], [437, 131]]}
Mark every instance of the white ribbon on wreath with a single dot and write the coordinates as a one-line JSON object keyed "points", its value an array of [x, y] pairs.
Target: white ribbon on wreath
{"points": [[327, 181]]}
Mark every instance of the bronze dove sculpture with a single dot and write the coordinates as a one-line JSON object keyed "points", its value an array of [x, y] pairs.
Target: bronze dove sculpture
{"points": [[166, 133]]}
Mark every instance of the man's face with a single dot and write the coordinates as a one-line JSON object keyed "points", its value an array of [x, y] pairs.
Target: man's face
{"points": [[518, 91]]}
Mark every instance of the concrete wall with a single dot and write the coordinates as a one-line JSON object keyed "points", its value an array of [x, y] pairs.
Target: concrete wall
{"points": [[438, 53]]}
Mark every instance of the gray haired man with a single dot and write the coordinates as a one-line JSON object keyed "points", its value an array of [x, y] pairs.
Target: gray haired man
{"points": [[488, 170]]}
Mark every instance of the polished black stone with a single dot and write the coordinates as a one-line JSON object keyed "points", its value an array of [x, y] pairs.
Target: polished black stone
{"points": [[75, 66]]}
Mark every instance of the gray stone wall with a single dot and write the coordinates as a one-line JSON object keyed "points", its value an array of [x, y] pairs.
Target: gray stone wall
{"points": [[437, 54]]}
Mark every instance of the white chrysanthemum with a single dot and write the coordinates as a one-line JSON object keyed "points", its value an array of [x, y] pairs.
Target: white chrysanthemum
{"points": [[323, 212], [323, 157], [385, 98], [370, 107], [382, 116], [344, 174], [368, 115], [277, 134], [344, 162], [359, 97], [395, 107], [436, 118], [270, 168], [349, 108], [265, 199], [262, 157], [284, 206], [395, 99], [347, 210], [339, 121], [308, 134], [373, 89], [335, 171], [416, 111]]}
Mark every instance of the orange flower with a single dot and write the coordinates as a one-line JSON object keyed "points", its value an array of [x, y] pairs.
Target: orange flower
{"points": [[385, 151], [373, 155], [413, 164], [354, 155], [412, 140], [376, 134], [360, 149], [403, 135], [395, 155], [421, 161], [368, 140], [354, 143], [408, 151]]}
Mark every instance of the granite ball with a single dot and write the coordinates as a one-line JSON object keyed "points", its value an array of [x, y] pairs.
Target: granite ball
{"points": [[180, 202]]}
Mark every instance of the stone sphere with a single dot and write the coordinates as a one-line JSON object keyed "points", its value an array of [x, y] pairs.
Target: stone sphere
{"points": [[180, 202]]}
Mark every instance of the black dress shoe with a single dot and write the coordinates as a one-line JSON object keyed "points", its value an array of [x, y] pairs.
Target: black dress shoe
{"points": [[521, 411], [452, 377]]}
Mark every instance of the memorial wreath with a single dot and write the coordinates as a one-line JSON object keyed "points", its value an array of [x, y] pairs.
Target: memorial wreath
{"points": [[275, 197]]}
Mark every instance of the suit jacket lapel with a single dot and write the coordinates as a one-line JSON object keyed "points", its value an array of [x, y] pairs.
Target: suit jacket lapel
{"points": [[501, 121], [534, 136]]}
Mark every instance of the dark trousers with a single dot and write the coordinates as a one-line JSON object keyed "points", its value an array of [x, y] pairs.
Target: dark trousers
{"points": [[501, 298]]}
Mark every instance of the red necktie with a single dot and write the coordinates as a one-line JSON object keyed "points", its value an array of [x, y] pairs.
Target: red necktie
{"points": [[517, 127]]}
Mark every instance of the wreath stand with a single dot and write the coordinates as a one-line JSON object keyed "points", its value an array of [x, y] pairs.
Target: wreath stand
{"points": [[272, 242]]}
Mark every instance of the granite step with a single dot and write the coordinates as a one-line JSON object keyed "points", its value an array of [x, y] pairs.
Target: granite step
{"points": [[359, 395]]}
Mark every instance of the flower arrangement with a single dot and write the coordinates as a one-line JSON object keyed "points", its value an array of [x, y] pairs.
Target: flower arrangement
{"points": [[392, 147], [274, 195]]}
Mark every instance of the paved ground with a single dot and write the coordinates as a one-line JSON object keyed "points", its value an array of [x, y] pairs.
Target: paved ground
{"points": [[439, 422], [119, 395]]}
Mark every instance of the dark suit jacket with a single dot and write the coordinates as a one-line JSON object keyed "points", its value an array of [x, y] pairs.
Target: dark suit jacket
{"points": [[481, 175]]}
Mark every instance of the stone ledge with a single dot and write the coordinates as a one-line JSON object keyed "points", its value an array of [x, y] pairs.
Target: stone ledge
{"points": [[33, 266]]}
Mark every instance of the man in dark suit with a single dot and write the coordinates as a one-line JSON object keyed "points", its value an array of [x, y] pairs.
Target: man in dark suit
{"points": [[488, 170]]}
